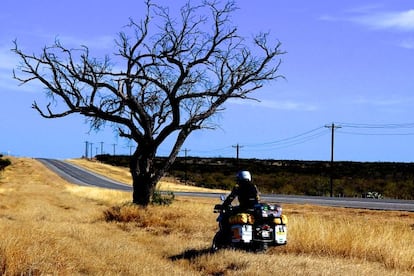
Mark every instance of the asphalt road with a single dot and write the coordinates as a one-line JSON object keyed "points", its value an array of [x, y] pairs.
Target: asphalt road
{"points": [[80, 176]]}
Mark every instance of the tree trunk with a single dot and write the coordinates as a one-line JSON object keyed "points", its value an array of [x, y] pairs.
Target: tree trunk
{"points": [[143, 189], [144, 174], [143, 180]]}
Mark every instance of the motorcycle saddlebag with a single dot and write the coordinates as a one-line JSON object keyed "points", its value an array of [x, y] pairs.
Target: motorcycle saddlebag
{"points": [[280, 234], [242, 233], [241, 218], [281, 220]]}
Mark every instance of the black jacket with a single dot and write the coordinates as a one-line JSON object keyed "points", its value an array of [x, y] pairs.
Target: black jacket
{"points": [[247, 194]]}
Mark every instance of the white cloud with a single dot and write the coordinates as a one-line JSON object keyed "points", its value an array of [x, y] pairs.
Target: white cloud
{"points": [[375, 19], [403, 21], [407, 44], [8, 59], [8, 62], [384, 101], [278, 105], [37, 39]]}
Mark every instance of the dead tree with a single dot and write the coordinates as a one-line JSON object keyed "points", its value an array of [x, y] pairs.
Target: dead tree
{"points": [[176, 74]]}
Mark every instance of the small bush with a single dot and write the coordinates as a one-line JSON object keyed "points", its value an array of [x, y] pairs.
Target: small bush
{"points": [[159, 198], [4, 163], [128, 212]]}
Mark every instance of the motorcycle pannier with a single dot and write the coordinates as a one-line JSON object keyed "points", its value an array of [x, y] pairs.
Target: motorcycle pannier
{"points": [[281, 220], [242, 233], [241, 218], [280, 234]]}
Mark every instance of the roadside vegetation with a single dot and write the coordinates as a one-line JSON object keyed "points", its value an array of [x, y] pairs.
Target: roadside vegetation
{"points": [[4, 163], [351, 179], [49, 226]]}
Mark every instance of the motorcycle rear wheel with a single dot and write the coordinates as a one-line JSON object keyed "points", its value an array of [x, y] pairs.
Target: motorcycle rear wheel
{"points": [[219, 241], [260, 247]]}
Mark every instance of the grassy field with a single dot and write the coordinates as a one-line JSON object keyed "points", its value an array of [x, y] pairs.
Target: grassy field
{"points": [[48, 226]]}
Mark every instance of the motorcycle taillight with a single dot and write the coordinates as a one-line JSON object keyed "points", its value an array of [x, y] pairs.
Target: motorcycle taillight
{"points": [[265, 227]]}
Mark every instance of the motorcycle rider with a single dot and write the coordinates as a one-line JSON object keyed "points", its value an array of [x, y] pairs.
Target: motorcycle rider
{"points": [[245, 191], [247, 195]]}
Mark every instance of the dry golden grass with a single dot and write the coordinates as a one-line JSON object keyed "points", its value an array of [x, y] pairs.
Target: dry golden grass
{"points": [[48, 226]]}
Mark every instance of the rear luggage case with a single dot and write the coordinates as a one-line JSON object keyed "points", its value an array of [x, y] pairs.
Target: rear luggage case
{"points": [[242, 233]]}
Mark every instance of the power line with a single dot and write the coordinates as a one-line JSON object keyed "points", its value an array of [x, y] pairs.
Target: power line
{"points": [[317, 132], [288, 144], [227, 149], [378, 126], [307, 136], [387, 129], [290, 141], [299, 137], [376, 133]]}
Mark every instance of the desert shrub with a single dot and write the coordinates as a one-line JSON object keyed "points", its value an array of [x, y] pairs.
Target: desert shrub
{"points": [[159, 198], [4, 163], [128, 212]]}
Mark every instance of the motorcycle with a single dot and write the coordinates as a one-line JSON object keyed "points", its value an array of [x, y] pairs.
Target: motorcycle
{"points": [[254, 230]]}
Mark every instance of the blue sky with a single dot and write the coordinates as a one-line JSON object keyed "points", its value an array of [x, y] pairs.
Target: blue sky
{"points": [[350, 63]]}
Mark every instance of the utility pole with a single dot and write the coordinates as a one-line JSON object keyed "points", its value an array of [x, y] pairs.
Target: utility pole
{"points": [[114, 148], [332, 127], [102, 147], [238, 147], [86, 149], [91, 149], [185, 165]]}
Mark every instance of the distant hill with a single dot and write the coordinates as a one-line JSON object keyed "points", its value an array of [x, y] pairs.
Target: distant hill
{"points": [[351, 179]]}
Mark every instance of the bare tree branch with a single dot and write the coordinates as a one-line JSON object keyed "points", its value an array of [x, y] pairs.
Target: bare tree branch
{"points": [[178, 74]]}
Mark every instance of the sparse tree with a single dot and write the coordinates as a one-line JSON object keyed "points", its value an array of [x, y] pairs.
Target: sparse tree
{"points": [[176, 74]]}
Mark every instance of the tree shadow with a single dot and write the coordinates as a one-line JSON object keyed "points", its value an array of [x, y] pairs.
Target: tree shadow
{"points": [[191, 254]]}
